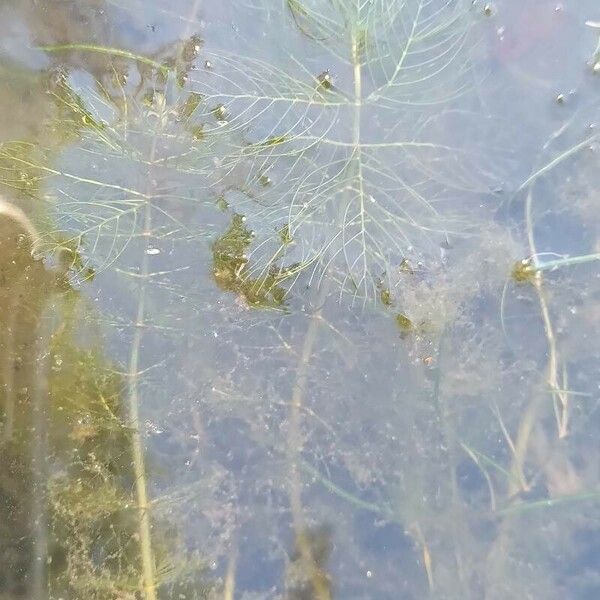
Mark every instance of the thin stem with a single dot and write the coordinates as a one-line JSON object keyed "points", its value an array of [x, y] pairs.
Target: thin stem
{"points": [[559, 159], [229, 584], [107, 50], [141, 485], [295, 442], [448, 434], [133, 402], [567, 261], [8, 372]]}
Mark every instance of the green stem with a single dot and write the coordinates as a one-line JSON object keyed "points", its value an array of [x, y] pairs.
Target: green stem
{"points": [[137, 447], [295, 442], [164, 69], [345, 495], [548, 503], [558, 160], [567, 261]]}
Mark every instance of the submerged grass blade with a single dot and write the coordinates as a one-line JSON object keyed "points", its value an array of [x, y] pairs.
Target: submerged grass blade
{"points": [[345, 495], [549, 503], [164, 69], [558, 160], [567, 261]]}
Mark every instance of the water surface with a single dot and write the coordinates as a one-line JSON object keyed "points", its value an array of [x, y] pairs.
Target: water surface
{"points": [[299, 300]]}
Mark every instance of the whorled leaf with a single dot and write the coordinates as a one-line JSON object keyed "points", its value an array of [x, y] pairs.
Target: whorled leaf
{"points": [[351, 160]]}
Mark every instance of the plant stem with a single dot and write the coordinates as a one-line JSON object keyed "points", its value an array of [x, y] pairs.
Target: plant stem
{"points": [[133, 401], [567, 261], [164, 69], [295, 443], [141, 485], [318, 579], [139, 470]]}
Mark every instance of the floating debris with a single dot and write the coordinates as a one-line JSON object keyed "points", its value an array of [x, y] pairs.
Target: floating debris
{"points": [[325, 80], [264, 180], [273, 141], [220, 113], [405, 267], [285, 236], [197, 132], [385, 296], [232, 274], [187, 109], [404, 323], [222, 204], [523, 271]]}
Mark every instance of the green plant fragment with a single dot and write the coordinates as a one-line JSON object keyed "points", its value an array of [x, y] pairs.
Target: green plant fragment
{"points": [[523, 271], [231, 272], [285, 236], [197, 132], [186, 110], [106, 50], [404, 323]]}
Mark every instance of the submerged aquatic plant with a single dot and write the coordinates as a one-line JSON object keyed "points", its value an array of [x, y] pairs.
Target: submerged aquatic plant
{"points": [[336, 153], [91, 220], [231, 264], [347, 171], [352, 162]]}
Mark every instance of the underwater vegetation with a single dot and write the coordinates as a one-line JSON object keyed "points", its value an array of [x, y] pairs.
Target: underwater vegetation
{"points": [[293, 305]]}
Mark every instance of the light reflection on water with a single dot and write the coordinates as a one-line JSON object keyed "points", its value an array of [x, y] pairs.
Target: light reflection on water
{"points": [[262, 333]]}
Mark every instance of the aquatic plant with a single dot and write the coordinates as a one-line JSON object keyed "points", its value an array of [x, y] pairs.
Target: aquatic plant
{"points": [[213, 200], [349, 161], [340, 174]]}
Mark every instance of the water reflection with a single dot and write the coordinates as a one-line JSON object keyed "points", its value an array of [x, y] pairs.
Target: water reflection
{"points": [[262, 333]]}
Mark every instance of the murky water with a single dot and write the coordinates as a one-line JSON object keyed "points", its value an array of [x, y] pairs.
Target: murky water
{"points": [[299, 299]]}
